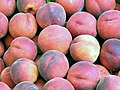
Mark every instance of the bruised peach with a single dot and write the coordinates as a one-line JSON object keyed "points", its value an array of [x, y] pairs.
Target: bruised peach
{"points": [[25, 23], [109, 55], [83, 75], [51, 13], [97, 7], [82, 23], [6, 78], [71, 6], [110, 82], [7, 7], [23, 69], [108, 24], [53, 64], [2, 65], [3, 24], [103, 71], [29, 6], [58, 84], [25, 85], [54, 37], [85, 48]]}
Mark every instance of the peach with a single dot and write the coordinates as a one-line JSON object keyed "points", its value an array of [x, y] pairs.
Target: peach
{"points": [[97, 7], [2, 48], [25, 85], [82, 23], [4, 86], [8, 59], [109, 55], [53, 64], [7, 7], [103, 71], [40, 83], [117, 7], [6, 78], [85, 48], [2, 65], [118, 74], [23, 47], [108, 24], [3, 24], [20, 47], [51, 13], [83, 75], [35, 40], [54, 37], [58, 84], [29, 6], [71, 6], [7, 40], [23, 69], [110, 82], [37, 59], [23, 24]]}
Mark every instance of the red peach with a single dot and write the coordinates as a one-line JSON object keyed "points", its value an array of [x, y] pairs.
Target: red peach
{"points": [[58, 84], [110, 82], [53, 64], [4, 86], [23, 69], [97, 7], [7, 7], [51, 13], [29, 6], [108, 24], [82, 23], [6, 78], [2, 65], [25, 85], [25, 23], [109, 55], [54, 37], [83, 75], [71, 6], [85, 48], [3, 24], [103, 71]]}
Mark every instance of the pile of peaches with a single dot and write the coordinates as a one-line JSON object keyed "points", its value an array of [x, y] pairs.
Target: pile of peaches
{"points": [[59, 45]]}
